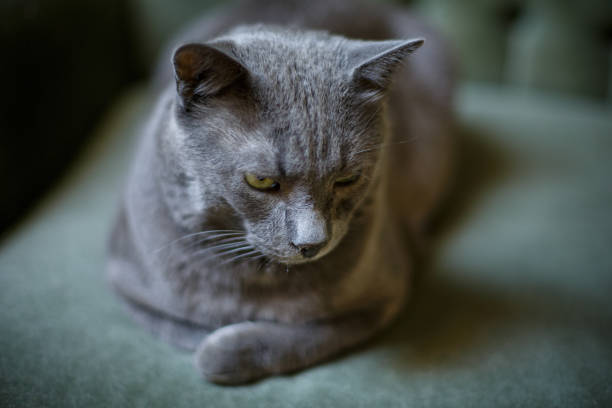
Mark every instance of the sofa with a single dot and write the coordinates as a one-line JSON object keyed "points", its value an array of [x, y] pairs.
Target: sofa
{"points": [[511, 308]]}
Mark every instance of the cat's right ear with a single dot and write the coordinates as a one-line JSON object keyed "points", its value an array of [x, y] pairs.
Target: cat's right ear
{"points": [[204, 70]]}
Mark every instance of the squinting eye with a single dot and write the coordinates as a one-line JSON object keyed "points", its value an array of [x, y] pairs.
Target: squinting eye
{"points": [[345, 181], [261, 183]]}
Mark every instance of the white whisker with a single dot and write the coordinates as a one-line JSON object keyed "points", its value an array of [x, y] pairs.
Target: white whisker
{"points": [[228, 234], [253, 252], [216, 240], [195, 234], [231, 251], [216, 248]]}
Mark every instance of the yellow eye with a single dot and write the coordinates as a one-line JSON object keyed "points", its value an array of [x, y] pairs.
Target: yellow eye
{"points": [[345, 181], [261, 183]]}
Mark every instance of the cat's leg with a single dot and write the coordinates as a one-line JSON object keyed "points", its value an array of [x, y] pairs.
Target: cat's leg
{"points": [[130, 282], [182, 334], [248, 351]]}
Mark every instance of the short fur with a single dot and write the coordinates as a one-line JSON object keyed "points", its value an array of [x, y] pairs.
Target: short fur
{"points": [[269, 282]]}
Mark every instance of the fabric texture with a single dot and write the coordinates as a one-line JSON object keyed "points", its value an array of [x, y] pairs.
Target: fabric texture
{"points": [[514, 309]]}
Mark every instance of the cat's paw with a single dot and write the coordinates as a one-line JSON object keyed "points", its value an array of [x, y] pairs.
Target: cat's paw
{"points": [[234, 354]]}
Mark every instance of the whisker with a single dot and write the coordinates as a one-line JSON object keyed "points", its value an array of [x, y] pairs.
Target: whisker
{"points": [[227, 234], [216, 248], [234, 250], [200, 233], [216, 240], [253, 252]]}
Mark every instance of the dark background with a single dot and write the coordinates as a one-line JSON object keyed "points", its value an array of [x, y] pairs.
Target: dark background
{"points": [[63, 62]]}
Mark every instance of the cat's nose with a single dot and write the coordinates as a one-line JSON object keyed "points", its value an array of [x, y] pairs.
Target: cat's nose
{"points": [[310, 250], [308, 228]]}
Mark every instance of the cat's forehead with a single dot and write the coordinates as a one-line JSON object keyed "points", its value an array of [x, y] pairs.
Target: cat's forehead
{"points": [[301, 82], [293, 66], [313, 151], [260, 46]]}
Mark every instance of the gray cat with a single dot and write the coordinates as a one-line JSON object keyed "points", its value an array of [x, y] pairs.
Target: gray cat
{"points": [[267, 218]]}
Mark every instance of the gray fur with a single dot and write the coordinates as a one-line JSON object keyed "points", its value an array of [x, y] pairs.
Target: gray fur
{"points": [[214, 265]]}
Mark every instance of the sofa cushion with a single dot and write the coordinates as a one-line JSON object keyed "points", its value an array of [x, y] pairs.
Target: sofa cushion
{"points": [[515, 310]]}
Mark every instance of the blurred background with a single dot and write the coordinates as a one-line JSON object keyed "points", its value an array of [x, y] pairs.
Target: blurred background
{"points": [[65, 61]]}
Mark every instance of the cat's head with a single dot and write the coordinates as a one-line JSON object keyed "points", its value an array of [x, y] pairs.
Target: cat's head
{"points": [[278, 131]]}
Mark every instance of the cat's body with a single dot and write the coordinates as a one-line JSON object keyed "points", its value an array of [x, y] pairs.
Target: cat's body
{"points": [[272, 279]]}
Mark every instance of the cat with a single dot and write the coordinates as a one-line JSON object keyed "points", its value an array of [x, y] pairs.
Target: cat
{"points": [[267, 219]]}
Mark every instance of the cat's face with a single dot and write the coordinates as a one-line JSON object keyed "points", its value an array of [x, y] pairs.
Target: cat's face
{"points": [[297, 186], [284, 142]]}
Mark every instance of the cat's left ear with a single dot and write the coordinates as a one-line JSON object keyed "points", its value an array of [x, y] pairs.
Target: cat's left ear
{"points": [[204, 70], [373, 63]]}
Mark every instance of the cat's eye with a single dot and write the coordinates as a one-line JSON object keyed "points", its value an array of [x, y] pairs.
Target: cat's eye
{"points": [[261, 183], [345, 181]]}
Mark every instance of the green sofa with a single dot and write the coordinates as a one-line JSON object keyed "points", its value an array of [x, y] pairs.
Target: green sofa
{"points": [[512, 310]]}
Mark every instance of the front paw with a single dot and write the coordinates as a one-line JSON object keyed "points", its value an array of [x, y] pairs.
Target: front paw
{"points": [[234, 354]]}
